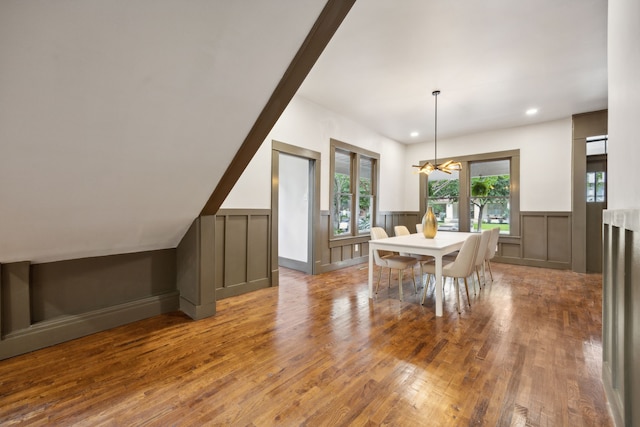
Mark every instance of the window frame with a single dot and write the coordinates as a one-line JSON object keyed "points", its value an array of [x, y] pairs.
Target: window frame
{"points": [[464, 203], [355, 154]]}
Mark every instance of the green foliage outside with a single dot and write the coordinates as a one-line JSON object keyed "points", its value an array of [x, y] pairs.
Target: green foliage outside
{"points": [[502, 227], [441, 192], [342, 203], [487, 190]]}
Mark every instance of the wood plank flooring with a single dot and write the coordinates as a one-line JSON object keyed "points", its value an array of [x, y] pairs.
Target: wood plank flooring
{"points": [[317, 352]]}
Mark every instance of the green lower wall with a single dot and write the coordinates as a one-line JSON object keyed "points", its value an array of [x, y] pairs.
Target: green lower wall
{"points": [[220, 256], [545, 239], [49, 303], [620, 314]]}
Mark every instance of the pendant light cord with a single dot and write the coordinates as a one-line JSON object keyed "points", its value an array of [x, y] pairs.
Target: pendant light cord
{"points": [[435, 139]]}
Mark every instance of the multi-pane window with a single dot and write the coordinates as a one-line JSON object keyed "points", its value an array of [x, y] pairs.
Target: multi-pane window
{"points": [[490, 194], [596, 169], [365, 194], [484, 194], [443, 196], [353, 199], [596, 187], [342, 194]]}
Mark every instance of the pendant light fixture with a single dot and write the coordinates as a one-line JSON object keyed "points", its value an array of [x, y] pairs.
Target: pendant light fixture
{"points": [[446, 167]]}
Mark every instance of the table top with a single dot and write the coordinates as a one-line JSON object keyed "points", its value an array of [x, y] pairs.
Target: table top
{"points": [[443, 240]]}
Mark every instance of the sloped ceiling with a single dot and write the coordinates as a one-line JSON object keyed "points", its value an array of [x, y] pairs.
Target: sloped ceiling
{"points": [[118, 118]]}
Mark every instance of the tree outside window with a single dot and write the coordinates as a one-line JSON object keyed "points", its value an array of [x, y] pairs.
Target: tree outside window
{"points": [[443, 195], [596, 186], [484, 194], [365, 195], [342, 194], [490, 194], [353, 190]]}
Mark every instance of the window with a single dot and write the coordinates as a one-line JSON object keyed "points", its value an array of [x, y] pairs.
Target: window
{"points": [[596, 187], [353, 198], [490, 194], [597, 145], [443, 196], [484, 194], [596, 169], [342, 194], [365, 194]]}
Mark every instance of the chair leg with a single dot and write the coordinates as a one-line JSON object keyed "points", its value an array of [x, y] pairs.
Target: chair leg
{"points": [[379, 277], [484, 274], [457, 289], [390, 271], [473, 282], [467, 288], [490, 272], [424, 294], [400, 282], [426, 286], [413, 277]]}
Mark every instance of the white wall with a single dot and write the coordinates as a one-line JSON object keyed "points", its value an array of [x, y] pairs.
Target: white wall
{"points": [[545, 159], [545, 162], [624, 104], [308, 125]]}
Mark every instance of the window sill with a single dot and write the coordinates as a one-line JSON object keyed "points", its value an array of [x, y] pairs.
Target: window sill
{"points": [[335, 242]]}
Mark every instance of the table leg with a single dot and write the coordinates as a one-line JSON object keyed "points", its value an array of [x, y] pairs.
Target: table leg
{"points": [[370, 271], [438, 285]]}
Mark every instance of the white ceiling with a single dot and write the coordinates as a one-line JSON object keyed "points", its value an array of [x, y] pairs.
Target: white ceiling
{"points": [[491, 59]]}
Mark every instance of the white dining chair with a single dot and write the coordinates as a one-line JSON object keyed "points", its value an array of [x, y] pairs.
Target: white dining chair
{"points": [[461, 268], [481, 253], [401, 230], [419, 228], [492, 248], [391, 260]]}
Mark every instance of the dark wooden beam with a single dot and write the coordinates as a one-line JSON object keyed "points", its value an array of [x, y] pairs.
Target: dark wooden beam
{"points": [[317, 39]]}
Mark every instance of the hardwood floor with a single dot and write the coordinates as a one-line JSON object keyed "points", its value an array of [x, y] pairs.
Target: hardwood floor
{"points": [[317, 351]]}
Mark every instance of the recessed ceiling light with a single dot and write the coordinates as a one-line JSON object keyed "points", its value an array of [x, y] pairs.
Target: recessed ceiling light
{"points": [[532, 111], [414, 134]]}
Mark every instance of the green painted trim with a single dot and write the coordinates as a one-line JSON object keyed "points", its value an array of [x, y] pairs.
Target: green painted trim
{"points": [[293, 264], [56, 331], [242, 288], [532, 263], [197, 312], [325, 268]]}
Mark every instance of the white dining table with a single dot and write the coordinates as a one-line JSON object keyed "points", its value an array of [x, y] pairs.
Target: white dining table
{"points": [[443, 243]]}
